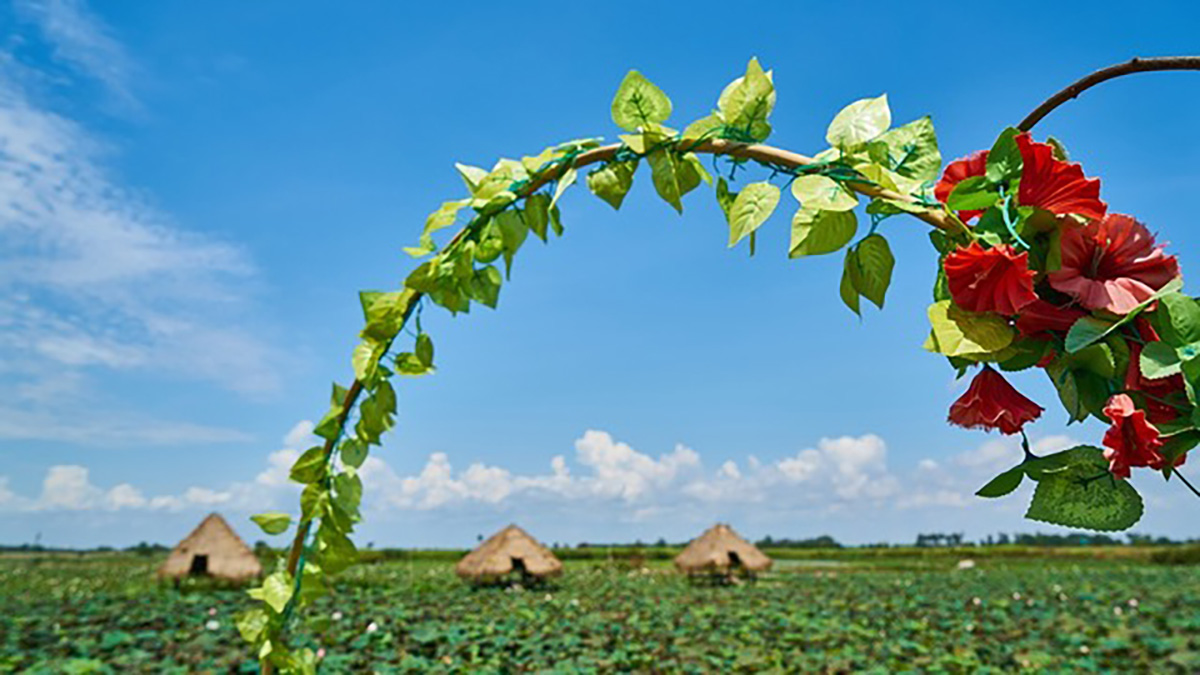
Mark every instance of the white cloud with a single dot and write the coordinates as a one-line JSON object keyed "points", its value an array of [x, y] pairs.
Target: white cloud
{"points": [[94, 278], [79, 38], [842, 475]]}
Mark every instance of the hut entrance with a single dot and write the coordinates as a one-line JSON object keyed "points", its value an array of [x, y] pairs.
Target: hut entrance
{"points": [[519, 569], [199, 566], [734, 561]]}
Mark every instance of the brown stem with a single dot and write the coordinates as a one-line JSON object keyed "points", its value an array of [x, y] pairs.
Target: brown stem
{"points": [[1130, 67]]}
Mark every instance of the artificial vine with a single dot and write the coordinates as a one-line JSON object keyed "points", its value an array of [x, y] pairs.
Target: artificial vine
{"points": [[1024, 242]]}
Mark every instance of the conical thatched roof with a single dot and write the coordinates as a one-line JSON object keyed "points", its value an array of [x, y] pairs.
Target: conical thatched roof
{"points": [[495, 557], [717, 549], [212, 549]]}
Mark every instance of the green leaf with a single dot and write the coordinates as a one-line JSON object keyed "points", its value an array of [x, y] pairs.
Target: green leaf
{"points": [[537, 216], [1084, 495], [513, 232], [746, 103], [910, 150], [310, 467], [872, 272], [251, 624], [1065, 382], [611, 182], [821, 232], [1183, 316], [442, 218], [277, 590], [751, 208], [1159, 360], [330, 425], [957, 332], [702, 128], [847, 290], [1086, 331], [472, 176], [822, 193], [639, 103], [484, 285], [273, 522], [336, 550], [365, 359], [353, 452], [725, 198], [664, 171], [1060, 150], [859, 122], [1003, 483], [691, 173], [972, 194], [424, 349], [1004, 160], [566, 180]]}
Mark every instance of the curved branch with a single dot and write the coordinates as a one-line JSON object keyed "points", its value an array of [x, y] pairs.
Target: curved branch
{"points": [[764, 153], [1130, 67]]}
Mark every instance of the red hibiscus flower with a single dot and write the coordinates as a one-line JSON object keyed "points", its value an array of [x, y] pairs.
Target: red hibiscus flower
{"points": [[996, 279], [1131, 440], [992, 403], [1040, 317], [955, 173], [1157, 392], [1112, 264], [1054, 185]]}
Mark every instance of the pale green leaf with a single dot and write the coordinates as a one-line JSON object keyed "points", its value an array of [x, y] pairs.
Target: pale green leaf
{"points": [[820, 232], [611, 182], [822, 193], [277, 590], [639, 103], [664, 169], [910, 150], [747, 102], [273, 522], [751, 208], [442, 218], [859, 122], [957, 332]]}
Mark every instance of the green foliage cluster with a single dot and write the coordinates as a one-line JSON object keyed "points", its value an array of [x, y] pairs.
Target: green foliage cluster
{"points": [[1073, 616]]}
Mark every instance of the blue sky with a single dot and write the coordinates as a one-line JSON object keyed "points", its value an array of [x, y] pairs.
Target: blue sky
{"points": [[190, 199]]}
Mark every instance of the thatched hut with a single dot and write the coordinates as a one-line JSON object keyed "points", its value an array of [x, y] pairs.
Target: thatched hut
{"points": [[721, 552], [213, 549], [510, 551]]}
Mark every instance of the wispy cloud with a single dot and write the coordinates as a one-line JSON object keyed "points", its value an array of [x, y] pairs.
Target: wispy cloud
{"points": [[81, 40], [94, 277]]}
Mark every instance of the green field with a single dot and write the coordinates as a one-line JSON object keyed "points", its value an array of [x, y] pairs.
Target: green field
{"points": [[96, 613]]}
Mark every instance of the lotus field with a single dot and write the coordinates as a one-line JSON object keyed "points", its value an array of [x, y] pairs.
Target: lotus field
{"points": [[105, 614]]}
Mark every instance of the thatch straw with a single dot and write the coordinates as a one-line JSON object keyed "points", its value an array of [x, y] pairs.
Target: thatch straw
{"points": [[711, 553], [493, 559], [228, 557]]}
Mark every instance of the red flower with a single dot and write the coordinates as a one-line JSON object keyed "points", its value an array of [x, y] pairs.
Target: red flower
{"points": [[1054, 185], [1112, 264], [996, 279], [992, 403], [1157, 392], [1131, 440], [1040, 316], [955, 173]]}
